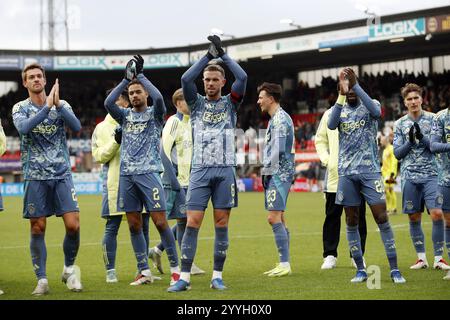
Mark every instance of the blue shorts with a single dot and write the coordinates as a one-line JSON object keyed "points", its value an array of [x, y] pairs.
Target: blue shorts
{"points": [[415, 193], [276, 193], [350, 188], [443, 198], [44, 198], [175, 203], [219, 184], [1, 202], [139, 191]]}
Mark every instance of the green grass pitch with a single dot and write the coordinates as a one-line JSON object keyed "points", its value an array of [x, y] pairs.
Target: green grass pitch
{"points": [[252, 251]]}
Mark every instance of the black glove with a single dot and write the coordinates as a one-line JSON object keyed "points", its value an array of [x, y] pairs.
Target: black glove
{"points": [[215, 49], [118, 135], [139, 64], [411, 135], [391, 179], [419, 134], [130, 70]]}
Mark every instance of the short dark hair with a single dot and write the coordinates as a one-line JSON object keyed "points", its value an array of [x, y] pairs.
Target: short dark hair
{"points": [[411, 87], [272, 89], [30, 67], [135, 81], [213, 66]]}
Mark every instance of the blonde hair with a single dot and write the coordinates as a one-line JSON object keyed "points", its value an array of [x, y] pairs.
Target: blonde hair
{"points": [[177, 96]]}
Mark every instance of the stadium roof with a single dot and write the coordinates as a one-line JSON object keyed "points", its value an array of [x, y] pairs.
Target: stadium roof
{"points": [[271, 36]]}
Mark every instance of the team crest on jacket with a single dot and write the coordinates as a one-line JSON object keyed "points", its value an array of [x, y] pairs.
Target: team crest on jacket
{"points": [[53, 114]]}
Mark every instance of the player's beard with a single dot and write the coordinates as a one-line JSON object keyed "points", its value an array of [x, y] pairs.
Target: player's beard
{"points": [[212, 93], [138, 104], [352, 100]]}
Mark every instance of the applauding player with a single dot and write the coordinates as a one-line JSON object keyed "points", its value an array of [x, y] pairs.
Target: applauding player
{"points": [[140, 165], [359, 168], [49, 189], [213, 119], [419, 172]]}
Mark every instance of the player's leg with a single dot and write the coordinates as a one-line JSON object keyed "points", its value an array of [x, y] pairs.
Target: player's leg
{"points": [[109, 246], [412, 203], [180, 229], [373, 190], [188, 249], [362, 228], [153, 196], [275, 199], [374, 193], [168, 241], [348, 195], [38, 252], [331, 230], [146, 229], [65, 205], [155, 253], [35, 208], [221, 244], [72, 238], [224, 197], [129, 201], [438, 238], [71, 244], [197, 198], [433, 200], [444, 201], [447, 232], [139, 247], [287, 229]]}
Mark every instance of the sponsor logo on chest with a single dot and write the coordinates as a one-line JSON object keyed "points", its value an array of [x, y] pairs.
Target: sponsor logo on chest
{"points": [[213, 112], [135, 128], [352, 125]]}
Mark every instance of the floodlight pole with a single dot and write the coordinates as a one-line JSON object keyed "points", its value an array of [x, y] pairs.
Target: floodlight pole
{"points": [[51, 26]]}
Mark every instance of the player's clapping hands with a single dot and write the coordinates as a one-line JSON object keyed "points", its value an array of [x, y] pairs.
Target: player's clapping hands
{"points": [[351, 76], [343, 83], [139, 64], [56, 94], [419, 134], [412, 140], [51, 96], [130, 70], [215, 49]]}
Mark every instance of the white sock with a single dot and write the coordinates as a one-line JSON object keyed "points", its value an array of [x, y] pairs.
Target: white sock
{"points": [[217, 274], [285, 264], [175, 269], [68, 269], [43, 280], [422, 256], [186, 276], [146, 272], [158, 252], [437, 258]]}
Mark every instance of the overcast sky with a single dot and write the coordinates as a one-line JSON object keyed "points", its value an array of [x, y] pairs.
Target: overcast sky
{"points": [[137, 24]]}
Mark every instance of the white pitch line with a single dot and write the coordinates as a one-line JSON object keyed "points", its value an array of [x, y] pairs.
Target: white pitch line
{"points": [[268, 235]]}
